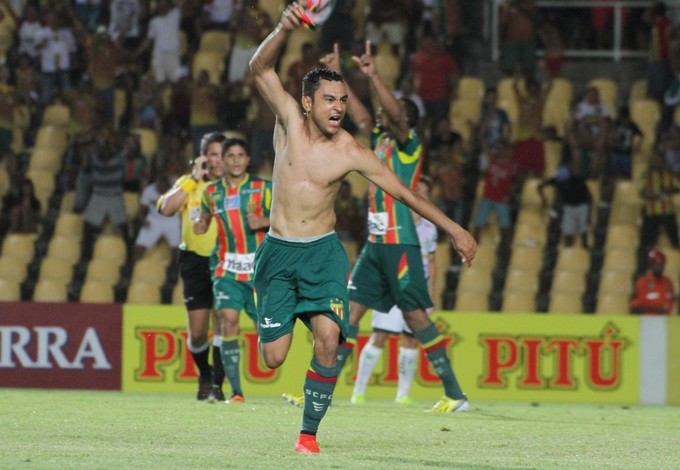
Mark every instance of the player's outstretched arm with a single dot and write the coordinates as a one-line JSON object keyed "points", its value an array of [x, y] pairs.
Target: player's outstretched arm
{"points": [[263, 62], [366, 163]]}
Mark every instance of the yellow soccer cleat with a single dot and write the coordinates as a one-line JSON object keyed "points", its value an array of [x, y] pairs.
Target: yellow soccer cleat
{"points": [[449, 405], [358, 399], [297, 399], [405, 400]]}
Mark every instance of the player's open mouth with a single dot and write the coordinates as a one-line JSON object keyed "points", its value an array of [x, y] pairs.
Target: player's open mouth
{"points": [[335, 120]]}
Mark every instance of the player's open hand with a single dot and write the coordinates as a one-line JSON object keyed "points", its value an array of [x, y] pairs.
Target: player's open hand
{"points": [[332, 60], [465, 245], [366, 62]]}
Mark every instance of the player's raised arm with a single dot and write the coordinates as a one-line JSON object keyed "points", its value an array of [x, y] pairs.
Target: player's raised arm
{"points": [[377, 172], [263, 62], [396, 114]]}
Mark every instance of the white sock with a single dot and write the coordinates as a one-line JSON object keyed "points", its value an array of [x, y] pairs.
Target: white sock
{"points": [[367, 360], [408, 361], [217, 340]]}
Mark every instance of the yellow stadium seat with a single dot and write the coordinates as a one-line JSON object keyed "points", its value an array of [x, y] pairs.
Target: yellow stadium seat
{"points": [[565, 303], [66, 204], [272, 8], [68, 248], [474, 279], [69, 224], [626, 192], [470, 87], [131, 200], [56, 269], [19, 246], [233, 134], [568, 282], [616, 282], [622, 236], [10, 290], [148, 142], [532, 215], [625, 214], [110, 247], [574, 258], [646, 113], [143, 293], [472, 301], [13, 269], [57, 115], [529, 235], [526, 257], [119, 105], [530, 195], [521, 280], [462, 113], [211, 62], [519, 302], [485, 257], [638, 90], [150, 271], [52, 137], [561, 91], [97, 293], [49, 290], [612, 304], [297, 38], [619, 259], [505, 90], [387, 67], [103, 271], [45, 159], [215, 41], [609, 91], [178, 293], [161, 252], [557, 115]]}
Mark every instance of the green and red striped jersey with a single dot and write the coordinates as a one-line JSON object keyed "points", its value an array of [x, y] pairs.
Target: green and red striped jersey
{"points": [[236, 242], [390, 221]]}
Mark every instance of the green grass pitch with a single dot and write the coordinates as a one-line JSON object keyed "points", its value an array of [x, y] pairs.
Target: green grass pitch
{"points": [[47, 429]]}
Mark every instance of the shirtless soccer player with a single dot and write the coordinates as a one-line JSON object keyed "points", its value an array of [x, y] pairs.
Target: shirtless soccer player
{"points": [[301, 268]]}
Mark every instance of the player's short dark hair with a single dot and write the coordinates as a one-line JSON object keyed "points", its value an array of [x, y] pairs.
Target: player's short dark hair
{"points": [[412, 112], [228, 143], [211, 138], [310, 83]]}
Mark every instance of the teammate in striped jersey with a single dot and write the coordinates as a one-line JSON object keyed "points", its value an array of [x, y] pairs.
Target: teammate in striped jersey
{"points": [[240, 204]]}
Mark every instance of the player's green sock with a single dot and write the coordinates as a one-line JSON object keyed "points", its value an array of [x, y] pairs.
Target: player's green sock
{"points": [[231, 356], [435, 349], [318, 390], [345, 349]]}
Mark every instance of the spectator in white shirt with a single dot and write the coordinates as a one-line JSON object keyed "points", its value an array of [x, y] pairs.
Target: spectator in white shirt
{"points": [[56, 44], [163, 33]]}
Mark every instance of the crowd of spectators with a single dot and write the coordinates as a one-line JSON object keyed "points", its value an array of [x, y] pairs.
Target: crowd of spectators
{"points": [[129, 69]]}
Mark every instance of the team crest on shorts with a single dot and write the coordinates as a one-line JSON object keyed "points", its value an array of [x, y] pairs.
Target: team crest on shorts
{"points": [[338, 307]]}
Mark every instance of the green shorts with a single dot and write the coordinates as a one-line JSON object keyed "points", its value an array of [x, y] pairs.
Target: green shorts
{"points": [[293, 279], [387, 275], [236, 295]]}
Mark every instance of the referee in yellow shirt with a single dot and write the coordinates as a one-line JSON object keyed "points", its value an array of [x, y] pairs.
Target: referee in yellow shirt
{"points": [[194, 261]]}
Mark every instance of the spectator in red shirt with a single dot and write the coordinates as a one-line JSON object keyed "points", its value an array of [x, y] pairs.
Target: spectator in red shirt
{"points": [[654, 294], [499, 185], [436, 75]]}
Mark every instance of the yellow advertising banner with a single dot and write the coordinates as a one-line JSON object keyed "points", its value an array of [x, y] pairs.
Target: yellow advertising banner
{"points": [[496, 356]]}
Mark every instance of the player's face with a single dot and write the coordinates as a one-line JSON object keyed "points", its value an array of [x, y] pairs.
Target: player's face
{"points": [[329, 106], [215, 167], [235, 161]]}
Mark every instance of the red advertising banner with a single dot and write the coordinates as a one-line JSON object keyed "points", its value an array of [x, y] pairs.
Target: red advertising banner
{"points": [[60, 345]]}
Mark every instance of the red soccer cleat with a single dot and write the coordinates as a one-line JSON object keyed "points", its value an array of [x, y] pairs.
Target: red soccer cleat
{"points": [[307, 444]]}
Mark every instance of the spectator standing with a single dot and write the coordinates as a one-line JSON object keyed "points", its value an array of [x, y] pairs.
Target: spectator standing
{"points": [[163, 35], [529, 146], [592, 119], [56, 43], [654, 293], [500, 183], [28, 31], [106, 200], [124, 22], [657, 187], [494, 125], [659, 73], [625, 140], [248, 28], [574, 198], [154, 226], [385, 18], [437, 76], [518, 37], [24, 210]]}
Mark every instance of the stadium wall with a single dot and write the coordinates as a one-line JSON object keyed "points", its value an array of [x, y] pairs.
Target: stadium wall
{"points": [[517, 357]]}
